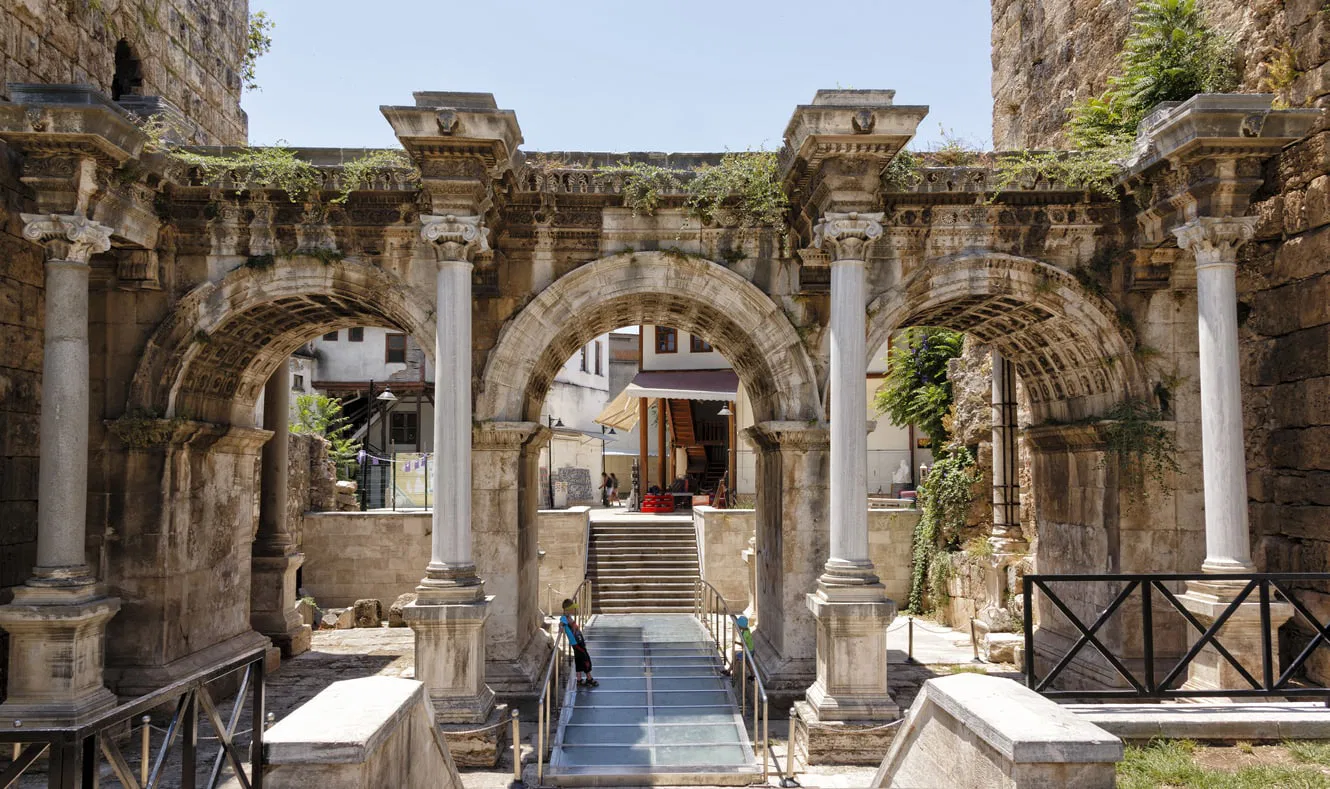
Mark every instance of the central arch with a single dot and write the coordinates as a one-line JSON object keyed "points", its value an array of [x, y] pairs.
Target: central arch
{"points": [[742, 323]]}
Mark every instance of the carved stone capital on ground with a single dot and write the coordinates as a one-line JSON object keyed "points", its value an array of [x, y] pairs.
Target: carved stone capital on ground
{"points": [[847, 236], [1215, 240], [455, 237], [69, 238]]}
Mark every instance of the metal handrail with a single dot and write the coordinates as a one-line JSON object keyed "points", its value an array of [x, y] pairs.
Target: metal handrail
{"points": [[76, 751], [713, 612], [549, 703]]}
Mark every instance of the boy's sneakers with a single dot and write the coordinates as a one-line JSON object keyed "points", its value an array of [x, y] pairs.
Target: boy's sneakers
{"points": [[593, 683]]}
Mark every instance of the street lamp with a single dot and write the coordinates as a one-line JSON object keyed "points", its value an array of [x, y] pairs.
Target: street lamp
{"points": [[604, 432], [553, 423]]}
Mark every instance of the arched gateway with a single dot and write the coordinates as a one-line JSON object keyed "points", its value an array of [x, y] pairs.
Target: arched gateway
{"points": [[501, 267]]}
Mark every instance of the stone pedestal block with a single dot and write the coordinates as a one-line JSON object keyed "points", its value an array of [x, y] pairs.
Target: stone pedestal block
{"points": [[56, 649], [1240, 635], [479, 745], [851, 680], [817, 741], [272, 602], [450, 658]]}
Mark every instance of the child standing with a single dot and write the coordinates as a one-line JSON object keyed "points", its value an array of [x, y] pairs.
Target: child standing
{"points": [[581, 659]]}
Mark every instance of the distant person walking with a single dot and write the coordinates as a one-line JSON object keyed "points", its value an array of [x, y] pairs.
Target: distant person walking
{"points": [[605, 490], [581, 658], [614, 490]]}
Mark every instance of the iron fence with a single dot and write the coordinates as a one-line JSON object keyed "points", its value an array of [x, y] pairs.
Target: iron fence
{"points": [[1277, 678], [75, 754]]}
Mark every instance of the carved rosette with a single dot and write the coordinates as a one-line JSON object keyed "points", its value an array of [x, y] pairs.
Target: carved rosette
{"points": [[69, 238], [1215, 240], [455, 237], [847, 236]]}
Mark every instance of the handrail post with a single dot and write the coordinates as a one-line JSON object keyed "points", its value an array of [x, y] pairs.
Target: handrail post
{"points": [[517, 749], [146, 741], [1027, 613]]}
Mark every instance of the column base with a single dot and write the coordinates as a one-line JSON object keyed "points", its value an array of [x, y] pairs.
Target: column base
{"points": [[479, 749], [1241, 635], [272, 602], [56, 655], [851, 682], [450, 658], [138, 680], [520, 678], [816, 741]]}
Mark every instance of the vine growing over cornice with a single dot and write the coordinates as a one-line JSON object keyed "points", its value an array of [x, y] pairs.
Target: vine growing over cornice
{"points": [[744, 185], [644, 185]]}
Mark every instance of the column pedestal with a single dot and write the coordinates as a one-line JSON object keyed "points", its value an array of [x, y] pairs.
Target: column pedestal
{"points": [[56, 648], [272, 588], [1240, 635]]}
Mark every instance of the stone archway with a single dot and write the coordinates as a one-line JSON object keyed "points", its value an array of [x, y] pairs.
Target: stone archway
{"points": [[742, 323], [1076, 362], [184, 502]]}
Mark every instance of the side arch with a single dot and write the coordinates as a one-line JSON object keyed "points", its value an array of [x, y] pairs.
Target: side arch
{"points": [[693, 294], [1069, 349], [210, 358]]}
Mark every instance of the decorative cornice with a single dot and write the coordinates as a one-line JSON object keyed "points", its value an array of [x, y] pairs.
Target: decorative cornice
{"points": [[847, 236], [455, 237], [1215, 240], [69, 238]]}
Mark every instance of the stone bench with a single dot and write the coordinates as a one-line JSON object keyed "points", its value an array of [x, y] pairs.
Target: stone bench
{"points": [[366, 733], [977, 730]]}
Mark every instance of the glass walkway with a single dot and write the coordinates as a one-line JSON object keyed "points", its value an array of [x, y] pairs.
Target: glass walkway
{"points": [[663, 713]]}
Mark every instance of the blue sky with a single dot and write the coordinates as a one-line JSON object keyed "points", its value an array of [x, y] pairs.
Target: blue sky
{"points": [[681, 75]]}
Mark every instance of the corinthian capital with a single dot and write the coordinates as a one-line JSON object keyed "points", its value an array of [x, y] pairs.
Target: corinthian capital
{"points": [[1215, 240], [455, 237], [66, 237], [847, 236]]}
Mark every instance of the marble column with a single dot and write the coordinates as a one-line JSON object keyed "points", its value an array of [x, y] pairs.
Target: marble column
{"points": [[449, 614], [1214, 242], [57, 620], [850, 603], [276, 556], [1006, 536]]}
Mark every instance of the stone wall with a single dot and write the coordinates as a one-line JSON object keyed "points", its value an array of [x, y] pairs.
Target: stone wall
{"points": [[189, 52], [1049, 53], [563, 539], [355, 555], [22, 316]]}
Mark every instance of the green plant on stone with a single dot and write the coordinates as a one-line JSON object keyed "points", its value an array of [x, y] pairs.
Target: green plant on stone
{"points": [[944, 499], [644, 185], [257, 43], [361, 172], [916, 390], [746, 185], [1281, 73], [274, 167], [322, 416], [1144, 450], [903, 172]]}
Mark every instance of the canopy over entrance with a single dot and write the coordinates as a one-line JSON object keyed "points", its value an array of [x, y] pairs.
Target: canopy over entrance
{"points": [[622, 411]]}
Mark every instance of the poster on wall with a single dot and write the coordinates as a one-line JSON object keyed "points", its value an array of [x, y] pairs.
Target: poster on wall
{"points": [[412, 486]]}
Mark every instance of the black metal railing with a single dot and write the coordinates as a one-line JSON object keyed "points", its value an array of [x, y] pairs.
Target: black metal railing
{"points": [[75, 754], [1161, 675]]}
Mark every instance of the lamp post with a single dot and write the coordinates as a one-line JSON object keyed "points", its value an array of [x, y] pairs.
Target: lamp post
{"points": [[604, 437], [387, 398], [553, 423]]}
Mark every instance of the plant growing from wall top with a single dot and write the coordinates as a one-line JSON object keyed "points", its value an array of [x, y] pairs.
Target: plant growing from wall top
{"points": [[1169, 55], [944, 498], [321, 415], [644, 185], [1144, 449], [916, 390], [280, 168], [746, 185], [257, 43]]}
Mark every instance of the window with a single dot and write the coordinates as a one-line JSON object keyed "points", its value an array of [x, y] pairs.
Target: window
{"points": [[584, 359], [667, 340], [396, 349], [404, 426], [330, 337], [128, 77], [298, 382], [698, 345], [355, 335], [600, 368]]}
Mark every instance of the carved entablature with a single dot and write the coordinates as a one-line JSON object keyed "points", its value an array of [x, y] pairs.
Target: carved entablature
{"points": [[455, 237], [1203, 157], [67, 238]]}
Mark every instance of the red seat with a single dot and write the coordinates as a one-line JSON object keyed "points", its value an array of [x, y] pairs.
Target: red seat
{"points": [[658, 502]]}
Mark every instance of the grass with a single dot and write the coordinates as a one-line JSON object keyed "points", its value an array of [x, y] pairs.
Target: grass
{"points": [[1174, 764]]}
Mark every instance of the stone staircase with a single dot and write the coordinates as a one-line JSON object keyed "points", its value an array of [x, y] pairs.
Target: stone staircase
{"points": [[642, 568]]}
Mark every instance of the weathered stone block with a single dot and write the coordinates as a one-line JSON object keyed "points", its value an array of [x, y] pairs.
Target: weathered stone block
{"points": [[395, 618], [368, 613]]}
